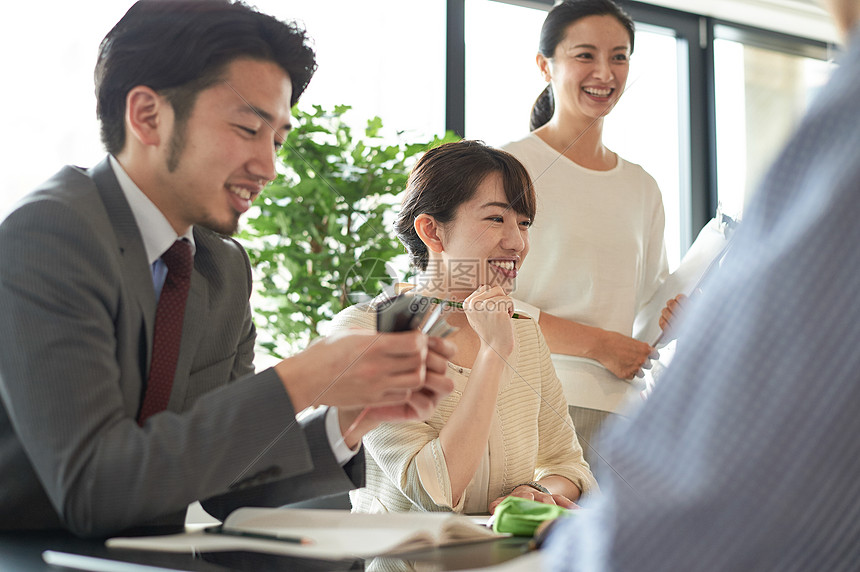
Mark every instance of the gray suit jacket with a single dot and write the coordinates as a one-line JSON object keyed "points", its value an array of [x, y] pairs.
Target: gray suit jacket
{"points": [[77, 310]]}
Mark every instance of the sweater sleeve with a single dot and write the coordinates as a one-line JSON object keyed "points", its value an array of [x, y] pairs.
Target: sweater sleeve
{"points": [[410, 457], [656, 262]]}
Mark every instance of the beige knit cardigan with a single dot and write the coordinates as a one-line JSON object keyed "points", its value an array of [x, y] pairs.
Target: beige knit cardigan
{"points": [[532, 435]]}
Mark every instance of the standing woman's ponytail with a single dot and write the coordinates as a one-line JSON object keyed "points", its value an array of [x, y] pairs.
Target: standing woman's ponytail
{"points": [[543, 108]]}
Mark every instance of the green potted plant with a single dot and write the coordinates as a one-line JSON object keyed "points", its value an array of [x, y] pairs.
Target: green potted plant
{"points": [[320, 236]]}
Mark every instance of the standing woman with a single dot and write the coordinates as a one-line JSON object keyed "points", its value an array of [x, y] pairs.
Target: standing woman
{"points": [[598, 249]]}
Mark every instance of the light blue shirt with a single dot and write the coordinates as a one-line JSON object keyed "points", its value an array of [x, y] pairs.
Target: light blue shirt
{"points": [[747, 454]]}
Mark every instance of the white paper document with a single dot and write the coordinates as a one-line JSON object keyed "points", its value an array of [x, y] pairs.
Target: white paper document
{"points": [[700, 259]]}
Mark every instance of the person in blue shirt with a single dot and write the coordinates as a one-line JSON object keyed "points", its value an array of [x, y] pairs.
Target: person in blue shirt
{"points": [[746, 456]]}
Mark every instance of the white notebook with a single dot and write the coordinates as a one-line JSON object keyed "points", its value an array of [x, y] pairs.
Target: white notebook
{"points": [[329, 534]]}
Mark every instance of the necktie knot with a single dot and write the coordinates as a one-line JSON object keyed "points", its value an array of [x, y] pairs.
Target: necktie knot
{"points": [[179, 260]]}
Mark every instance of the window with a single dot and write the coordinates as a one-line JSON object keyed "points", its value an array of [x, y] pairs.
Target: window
{"points": [[737, 90], [502, 78], [385, 58], [49, 120], [648, 126], [762, 90]]}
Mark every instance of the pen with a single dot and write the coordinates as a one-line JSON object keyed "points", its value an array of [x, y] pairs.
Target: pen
{"points": [[261, 535], [460, 305], [402, 287]]}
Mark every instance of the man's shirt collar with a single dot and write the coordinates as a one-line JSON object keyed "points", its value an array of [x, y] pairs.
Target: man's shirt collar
{"points": [[157, 233]]}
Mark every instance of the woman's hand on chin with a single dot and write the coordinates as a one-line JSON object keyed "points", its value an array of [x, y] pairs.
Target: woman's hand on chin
{"points": [[489, 311]]}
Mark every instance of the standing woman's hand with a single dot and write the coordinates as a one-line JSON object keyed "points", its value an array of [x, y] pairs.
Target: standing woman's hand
{"points": [[489, 312], [673, 312], [624, 356]]}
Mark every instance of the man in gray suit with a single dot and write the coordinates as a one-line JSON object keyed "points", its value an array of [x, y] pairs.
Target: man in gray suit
{"points": [[194, 98]]}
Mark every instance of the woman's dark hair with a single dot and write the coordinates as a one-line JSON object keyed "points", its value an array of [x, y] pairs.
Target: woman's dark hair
{"points": [[449, 175], [552, 33], [181, 47]]}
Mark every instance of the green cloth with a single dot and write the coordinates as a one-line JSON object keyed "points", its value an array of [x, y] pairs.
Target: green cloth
{"points": [[520, 517]]}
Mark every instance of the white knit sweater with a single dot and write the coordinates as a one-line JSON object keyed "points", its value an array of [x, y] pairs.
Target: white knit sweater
{"points": [[597, 257], [532, 436]]}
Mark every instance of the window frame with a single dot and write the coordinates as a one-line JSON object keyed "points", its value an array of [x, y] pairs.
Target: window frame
{"points": [[699, 118]]}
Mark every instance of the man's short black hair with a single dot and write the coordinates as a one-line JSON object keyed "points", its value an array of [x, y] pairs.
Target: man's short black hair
{"points": [[181, 47]]}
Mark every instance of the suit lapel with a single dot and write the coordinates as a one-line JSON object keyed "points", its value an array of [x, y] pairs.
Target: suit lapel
{"points": [[136, 272], [137, 276]]}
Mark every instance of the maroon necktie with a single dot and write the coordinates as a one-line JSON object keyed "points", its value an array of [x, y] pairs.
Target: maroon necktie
{"points": [[168, 329]]}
